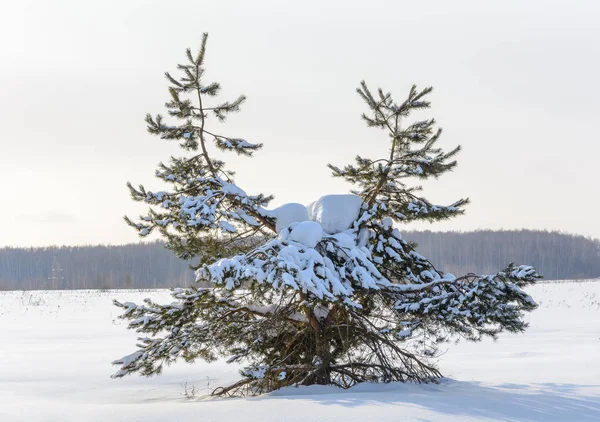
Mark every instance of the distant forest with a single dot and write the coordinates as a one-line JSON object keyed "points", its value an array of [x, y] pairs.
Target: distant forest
{"points": [[149, 265]]}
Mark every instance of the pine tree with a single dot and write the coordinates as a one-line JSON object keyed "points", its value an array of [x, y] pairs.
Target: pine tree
{"points": [[337, 297]]}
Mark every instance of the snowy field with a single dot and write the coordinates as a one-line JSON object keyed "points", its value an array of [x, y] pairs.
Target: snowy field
{"points": [[56, 348]]}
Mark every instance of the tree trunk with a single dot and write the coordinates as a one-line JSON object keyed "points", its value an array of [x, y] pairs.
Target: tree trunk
{"points": [[322, 375]]}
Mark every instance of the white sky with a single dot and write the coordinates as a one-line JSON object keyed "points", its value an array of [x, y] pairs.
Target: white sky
{"points": [[516, 84]]}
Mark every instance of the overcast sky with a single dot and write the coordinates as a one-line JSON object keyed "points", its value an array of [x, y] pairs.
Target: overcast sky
{"points": [[515, 83]]}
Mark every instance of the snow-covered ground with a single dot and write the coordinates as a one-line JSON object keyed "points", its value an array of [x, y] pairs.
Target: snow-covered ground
{"points": [[56, 348]]}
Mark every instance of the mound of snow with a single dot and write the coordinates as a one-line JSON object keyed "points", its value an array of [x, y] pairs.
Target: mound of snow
{"points": [[288, 214], [308, 233], [345, 240], [335, 213]]}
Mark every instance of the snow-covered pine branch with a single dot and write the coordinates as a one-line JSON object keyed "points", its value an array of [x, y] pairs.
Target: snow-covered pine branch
{"points": [[383, 180], [202, 203]]}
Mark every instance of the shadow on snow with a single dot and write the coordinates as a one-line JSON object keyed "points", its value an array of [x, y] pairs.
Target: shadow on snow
{"points": [[506, 402]]}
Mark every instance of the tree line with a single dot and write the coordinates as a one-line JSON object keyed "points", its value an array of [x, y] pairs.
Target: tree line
{"points": [[558, 256], [555, 255], [141, 265]]}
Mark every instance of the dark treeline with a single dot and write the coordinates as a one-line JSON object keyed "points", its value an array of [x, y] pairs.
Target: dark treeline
{"points": [[555, 255], [142, 265], [149, 265]]}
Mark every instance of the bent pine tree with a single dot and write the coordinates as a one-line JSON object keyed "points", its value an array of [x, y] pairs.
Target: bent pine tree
{"points": [[325, 294]]}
